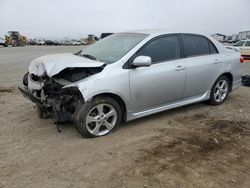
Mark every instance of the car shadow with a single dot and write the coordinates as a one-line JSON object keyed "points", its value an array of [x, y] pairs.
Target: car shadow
{"points": [[160, 115], [197, 107]]}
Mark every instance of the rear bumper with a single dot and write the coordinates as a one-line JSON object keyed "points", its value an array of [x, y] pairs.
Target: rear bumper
{"points": [[246, 57], [27, 94]]}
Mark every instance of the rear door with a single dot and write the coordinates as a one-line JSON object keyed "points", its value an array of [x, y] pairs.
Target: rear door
{"points": [[203, 64]]}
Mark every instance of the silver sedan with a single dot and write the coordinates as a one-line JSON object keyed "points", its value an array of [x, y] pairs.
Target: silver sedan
{"points": [[130, 75]]}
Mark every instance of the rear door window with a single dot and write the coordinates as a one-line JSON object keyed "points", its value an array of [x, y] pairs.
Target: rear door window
{"points": [[195, 45], [162, 49]]}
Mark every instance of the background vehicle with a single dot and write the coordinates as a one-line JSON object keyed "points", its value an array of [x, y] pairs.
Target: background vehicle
{"points": [[84, 42], [131, 75], [103, 35], [49, 43], [56, 43], [31, 42], [66, 42], [244, 47], [2, 42], [75, 42], [15, 39], [40, 42]]}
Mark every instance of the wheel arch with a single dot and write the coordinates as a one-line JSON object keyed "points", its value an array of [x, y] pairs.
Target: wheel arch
{"points": [[230, 77], [120, 101]]}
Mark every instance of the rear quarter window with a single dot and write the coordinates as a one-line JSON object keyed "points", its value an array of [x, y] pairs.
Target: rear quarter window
{"points": [[213, 49]]}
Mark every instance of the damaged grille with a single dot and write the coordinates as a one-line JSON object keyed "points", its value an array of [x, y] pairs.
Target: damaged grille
{"points": [[36, 78]]}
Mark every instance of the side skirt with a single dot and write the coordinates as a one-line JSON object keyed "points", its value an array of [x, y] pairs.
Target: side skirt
{"points": [[200, 98]]}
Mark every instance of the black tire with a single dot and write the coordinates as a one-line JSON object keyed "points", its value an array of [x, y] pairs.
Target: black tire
{"points": [[25, 79], [83, 110], [14, 43], [42, 112], [21, 43], [212, 100]]}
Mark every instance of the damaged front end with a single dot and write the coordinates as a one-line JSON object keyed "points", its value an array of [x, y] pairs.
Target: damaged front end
{"points": [[51, 94]]}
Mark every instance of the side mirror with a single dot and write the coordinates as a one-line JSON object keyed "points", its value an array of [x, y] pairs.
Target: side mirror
{"points": [[142, 61]]}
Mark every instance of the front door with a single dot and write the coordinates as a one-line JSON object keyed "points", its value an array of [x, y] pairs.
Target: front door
{"points": [[164, 81]]}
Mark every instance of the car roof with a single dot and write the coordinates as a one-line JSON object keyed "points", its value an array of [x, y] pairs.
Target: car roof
{"points": [[156, 32], [244, 40]]}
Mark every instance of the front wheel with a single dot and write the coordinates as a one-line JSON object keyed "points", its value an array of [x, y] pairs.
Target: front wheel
{"points": [[98, 117], [220, 91], [14, 43]]}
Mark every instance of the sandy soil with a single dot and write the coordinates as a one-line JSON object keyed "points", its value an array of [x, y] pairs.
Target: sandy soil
{"points": [[194, 146]]}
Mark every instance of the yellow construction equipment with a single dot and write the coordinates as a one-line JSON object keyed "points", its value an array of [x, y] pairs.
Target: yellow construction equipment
{"points": [[15, 39]]}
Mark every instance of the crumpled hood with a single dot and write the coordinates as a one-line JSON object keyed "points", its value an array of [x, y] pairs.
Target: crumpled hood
{"points": [[55, 63]]}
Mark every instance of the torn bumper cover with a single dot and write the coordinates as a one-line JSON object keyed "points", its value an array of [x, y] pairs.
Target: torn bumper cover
{"points": [[24, 90], [52, 98], [50, 83]]}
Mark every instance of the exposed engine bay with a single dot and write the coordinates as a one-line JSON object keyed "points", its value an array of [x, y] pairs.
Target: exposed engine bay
{"points": [[76, 74], [51, 96]]}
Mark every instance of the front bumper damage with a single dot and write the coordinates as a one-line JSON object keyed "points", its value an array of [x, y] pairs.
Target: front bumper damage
{"points": [[28, 95], [52, 98], [51, 84]]}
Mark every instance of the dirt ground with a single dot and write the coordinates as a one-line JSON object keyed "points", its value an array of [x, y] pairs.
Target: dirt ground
{"points": [[194, 146]]}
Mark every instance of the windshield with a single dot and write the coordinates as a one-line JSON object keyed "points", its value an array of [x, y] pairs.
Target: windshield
{"points": [[114, 47], [241, 43]]}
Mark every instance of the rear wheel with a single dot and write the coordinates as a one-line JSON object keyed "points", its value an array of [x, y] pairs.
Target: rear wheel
{"points": [[220, 91], [14, 43], [99, 117], [21, 42]]}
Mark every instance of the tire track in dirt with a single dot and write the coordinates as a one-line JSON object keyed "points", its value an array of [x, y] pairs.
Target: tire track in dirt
{"points": [[199, 152]]}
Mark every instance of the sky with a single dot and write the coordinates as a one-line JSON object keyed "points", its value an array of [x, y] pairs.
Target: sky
{"points": [[77, 18]]}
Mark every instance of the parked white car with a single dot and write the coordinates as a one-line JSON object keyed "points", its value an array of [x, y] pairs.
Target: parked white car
{"points": [[40, 42], [75, 42], [244, 47], [130, 75]]}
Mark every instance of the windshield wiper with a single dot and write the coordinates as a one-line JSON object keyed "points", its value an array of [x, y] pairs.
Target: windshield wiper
{"points": [[90, 57]]}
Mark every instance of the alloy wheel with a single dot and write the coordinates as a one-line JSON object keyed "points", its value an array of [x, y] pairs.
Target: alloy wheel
{"points": [[221, 91], [101, 119]]}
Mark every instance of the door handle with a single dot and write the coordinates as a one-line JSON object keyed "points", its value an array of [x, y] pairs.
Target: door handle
{"points": [[217, 61], [179, 68]]}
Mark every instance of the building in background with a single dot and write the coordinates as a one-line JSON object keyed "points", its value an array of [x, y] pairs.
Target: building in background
{"points": [[228, 38], [244, 35], [235, 38], [219, 37]]}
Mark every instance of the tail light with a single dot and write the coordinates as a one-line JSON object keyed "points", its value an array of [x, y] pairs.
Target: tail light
{"points": [[242, 59]]}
